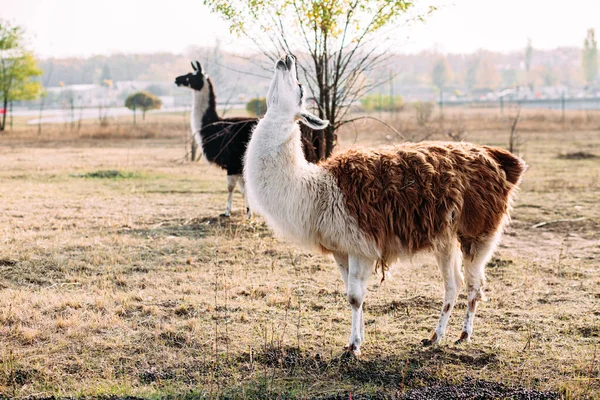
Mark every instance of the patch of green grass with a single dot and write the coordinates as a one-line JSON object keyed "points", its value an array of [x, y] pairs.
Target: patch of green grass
{"points": [[109, 174]]}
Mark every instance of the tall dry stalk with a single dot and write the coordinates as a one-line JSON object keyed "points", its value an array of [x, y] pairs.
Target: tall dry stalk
{"points": [[514, 136]]}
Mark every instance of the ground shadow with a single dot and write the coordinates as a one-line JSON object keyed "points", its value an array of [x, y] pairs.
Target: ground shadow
{"points": [[386, 377], [201, 227], [192, 228]]}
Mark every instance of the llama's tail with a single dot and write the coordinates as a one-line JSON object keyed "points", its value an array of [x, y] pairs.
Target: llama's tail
{"points": [[513, 166]]}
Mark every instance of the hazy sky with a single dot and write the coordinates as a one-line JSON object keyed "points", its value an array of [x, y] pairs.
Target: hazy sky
{"points": [[82, 27]]}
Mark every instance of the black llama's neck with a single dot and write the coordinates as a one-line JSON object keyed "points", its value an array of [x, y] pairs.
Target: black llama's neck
{"points": [[210, 114]]}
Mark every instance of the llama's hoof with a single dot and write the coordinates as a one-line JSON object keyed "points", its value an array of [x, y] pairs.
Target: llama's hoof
{"points": [[464, 338], [350, 354], [351, 351], [430, 342], [224, 215]]}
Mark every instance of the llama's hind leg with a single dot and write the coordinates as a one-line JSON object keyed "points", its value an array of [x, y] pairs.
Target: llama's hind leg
{"points": [[359, 271], [449, 258], [476, 257], [243, 190], [231, 181]]}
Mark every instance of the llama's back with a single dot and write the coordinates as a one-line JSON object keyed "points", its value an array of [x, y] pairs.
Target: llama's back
{"points": [[414, 193], [225, 141]]}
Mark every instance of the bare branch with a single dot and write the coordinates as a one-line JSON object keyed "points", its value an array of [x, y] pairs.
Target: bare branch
{"points": [[373, 118], [242, 72]]}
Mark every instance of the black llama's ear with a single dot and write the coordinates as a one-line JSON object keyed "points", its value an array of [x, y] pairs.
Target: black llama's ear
{"points": [[199, 67], [193, 66]]}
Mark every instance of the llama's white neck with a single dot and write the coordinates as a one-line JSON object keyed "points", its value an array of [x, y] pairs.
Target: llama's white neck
{"points": [[280, 182], [278, 136], [199, 106]]}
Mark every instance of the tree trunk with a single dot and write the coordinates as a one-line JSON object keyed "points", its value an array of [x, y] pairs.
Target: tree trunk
{"points": [[143, 115], [41, 113], [330, 140], [5, 107], [319, 143], [194, 149]]}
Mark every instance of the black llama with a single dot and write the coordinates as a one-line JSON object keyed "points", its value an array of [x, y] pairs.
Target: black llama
{"points": [[224, 140]]}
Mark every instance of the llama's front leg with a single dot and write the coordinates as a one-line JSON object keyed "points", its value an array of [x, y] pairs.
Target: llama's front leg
{"points": [[449, 261], [475, 263], [231, 181], [243, 190], [341, 259], [359, 270]]}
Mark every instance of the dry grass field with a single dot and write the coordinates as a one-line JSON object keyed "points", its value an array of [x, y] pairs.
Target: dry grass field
{"points": [[128, 284]]}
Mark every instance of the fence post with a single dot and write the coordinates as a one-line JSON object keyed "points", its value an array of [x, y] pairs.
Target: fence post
{"points": [[441, 104], [502, 105], [134, 107], [562, 105], [72, 105], [257, 105]]}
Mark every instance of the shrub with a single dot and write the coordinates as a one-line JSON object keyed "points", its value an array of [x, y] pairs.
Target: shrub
{"points": [[424, 111], [375, 102], [257, 106], [144, 101]]}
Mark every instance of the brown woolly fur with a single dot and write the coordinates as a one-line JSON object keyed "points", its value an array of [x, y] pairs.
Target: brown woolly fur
{"points": [[414, 194], [513, 166]]}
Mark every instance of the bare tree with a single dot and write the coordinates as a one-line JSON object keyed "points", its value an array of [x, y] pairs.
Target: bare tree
{"points": [[336, 41], [590, 57], [528, 58], [513, 139]]}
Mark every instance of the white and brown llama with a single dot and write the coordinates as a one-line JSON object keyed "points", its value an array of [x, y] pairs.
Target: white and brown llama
{"points": [[373, 206]]}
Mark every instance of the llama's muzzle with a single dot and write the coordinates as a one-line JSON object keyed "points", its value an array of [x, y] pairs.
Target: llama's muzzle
{"points": [[281, 65], [285, 63], [289, 61], [180, 80]]}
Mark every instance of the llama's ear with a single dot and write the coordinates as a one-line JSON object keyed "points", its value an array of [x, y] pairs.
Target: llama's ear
{"points": [[199, 66], [312, 122], [193, 66]]}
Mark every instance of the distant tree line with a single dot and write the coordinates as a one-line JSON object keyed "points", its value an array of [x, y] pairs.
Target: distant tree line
{"points": [[532, 68], [483, 69], [117, 67]]}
